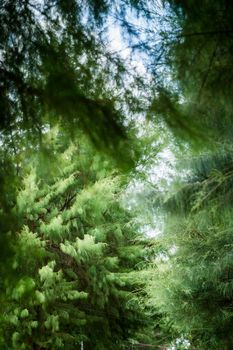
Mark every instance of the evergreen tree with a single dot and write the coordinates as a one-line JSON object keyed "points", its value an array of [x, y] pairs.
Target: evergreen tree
{"points": [[56, 67], [193, 281], [79, 258]]}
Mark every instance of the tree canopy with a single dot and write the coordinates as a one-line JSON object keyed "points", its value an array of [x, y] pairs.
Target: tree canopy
{"points": [[85, 136]]}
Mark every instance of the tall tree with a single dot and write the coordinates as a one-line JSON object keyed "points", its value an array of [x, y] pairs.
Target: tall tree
{"points": [[192, 283], [79, 259]]}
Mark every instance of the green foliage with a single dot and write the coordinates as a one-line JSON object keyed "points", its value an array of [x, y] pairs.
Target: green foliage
{"points": [[55, 67], [76, 258], [192, 284], [193, 280], [75, 251], [194, 94]]}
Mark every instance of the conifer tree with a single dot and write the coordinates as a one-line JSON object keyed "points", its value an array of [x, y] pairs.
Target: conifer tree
{"points": [[78, 257], [192, 284], [193, 280], [55, 66]]}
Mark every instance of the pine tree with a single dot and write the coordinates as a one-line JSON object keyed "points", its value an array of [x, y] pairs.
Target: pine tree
{"points": [[78, 258], [192, 283], [193, 279], [55, 66]]}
